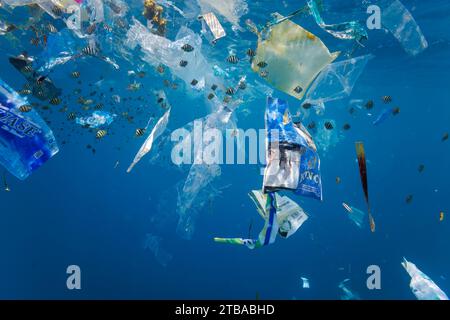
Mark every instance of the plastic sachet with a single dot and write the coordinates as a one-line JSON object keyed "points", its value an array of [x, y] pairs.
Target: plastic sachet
{"points": [[26, 142], [399, 21], [292, 159], [97, 119], [159, 50], [290, 58], [351, 30], [421, 285], [232, 10], [336, 81]]}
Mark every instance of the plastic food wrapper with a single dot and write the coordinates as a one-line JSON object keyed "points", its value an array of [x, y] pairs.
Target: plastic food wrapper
{"points": [[290, 58], [345, 30], [97, 119], [399, 21], [280, 214], [159, 50], [158, 129], [26, 142], [216, 29], [336, 81], [305, 282], [356, 215], [232, 10], [347, 293], [153, 243], [421, 285], [292, 159]]}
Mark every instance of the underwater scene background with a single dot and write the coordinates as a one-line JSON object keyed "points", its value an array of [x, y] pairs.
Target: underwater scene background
{"points": [[83, 208]]}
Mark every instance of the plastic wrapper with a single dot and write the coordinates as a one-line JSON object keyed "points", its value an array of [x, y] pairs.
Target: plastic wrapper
{"points": [[336, 81], [351, 30], [290, 58], [356, 215], [292, 159], [421, 285], [232, 10], [210, 21], [26, 142], [153, 243], [97, 119], [305, 283], [399, 21]]}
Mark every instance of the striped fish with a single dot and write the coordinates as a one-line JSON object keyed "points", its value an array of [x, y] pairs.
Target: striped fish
{"points": [[328, 125], [230, 91], [75, 74], [27, 69], [242, 85], [25, 92], [90, 50], [210, 96], [386, 99], [262, 64], [25, 108], [100, 134], [51, 28], [232, 59], [214, 87], [187, 47], [183, 63], [98, 106], [251, 53], [264, 74], [55, 101], [194, 82], [71, 116], [140, 132], [57, 10], [298, 89]]}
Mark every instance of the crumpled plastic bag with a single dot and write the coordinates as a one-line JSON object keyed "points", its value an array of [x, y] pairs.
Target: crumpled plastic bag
{"points": [[290, 58], [97, 119], [421, 285]]}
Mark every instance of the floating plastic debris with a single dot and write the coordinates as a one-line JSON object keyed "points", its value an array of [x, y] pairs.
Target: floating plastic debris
{"points": [[421, 285], [147, 145], [336, 81], [384, 115], [399, 21], [351, 30], [305, 282], [232, 10], [216, 29], [360, 153], [26, 142], [290, 58], [347, 293], [97, 119], [153, 243], [292, 159], [356, 215]]}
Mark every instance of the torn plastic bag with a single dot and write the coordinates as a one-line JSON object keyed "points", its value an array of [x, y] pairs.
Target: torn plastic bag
{"points": [[147, 145], [399, 21], [351, 30], [26, 142], [290, 58], [210, 20], [292, 159], [97, 119], [232, 10], [336, 81], [421, 285]]}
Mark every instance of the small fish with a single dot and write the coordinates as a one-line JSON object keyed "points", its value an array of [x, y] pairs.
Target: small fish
{"points": [[328, 125], [421, 168], [98, 106], [445, 136], [57, 10], [5, 184], [214, 87], [135, 86], [141, 74], [140, 132], [90, 50], [187, 47], [194, 82], [409, 199], [264, 74], [100, 134], [396, 111], [160, 69], [242, 85], [386, 99], [91, 29], [75, 74], [71, 116], [441, 216], [346, 126], [306, 105], [312, 125], [210, 96], [55, 101], [34, 41], [369, 104], [27, 69], [298, 89], [51, 28], [230, 91], [25, 108], [351, 110], [226, 99], [262, 64], [183, 63], [338, 180], [25, 92], [251, 53], [232, 59]]}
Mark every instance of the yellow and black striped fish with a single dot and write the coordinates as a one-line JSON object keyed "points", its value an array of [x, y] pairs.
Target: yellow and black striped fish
{"points": [[55, 101], [328, 125], [57, 10], [27, 69], [75, 74], [51, 28], [25, 108], [90, 50], [187, 48], [98, 106], [251, 53], [230, 91], [71, 116], [262, 64], [140, 132], [183, 63], [100, 134], [386, 99], [232, 59], [25, 92]]}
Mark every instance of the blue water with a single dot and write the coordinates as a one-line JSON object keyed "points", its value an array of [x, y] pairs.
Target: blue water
{"points": [[79, 209]]}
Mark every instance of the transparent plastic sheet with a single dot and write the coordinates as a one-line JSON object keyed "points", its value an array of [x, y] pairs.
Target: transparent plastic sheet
{"points": [[97, 119], [421, 285], [232, 10], [356, 215], [336, 81], [399, 21], [153, 243], [26, 142], [351, 30], [290, 58], [327, 139], [159, 50], [346, 292]]}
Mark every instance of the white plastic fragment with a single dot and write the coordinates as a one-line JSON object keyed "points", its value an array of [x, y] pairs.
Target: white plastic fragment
{"points": [[216, 29]]}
